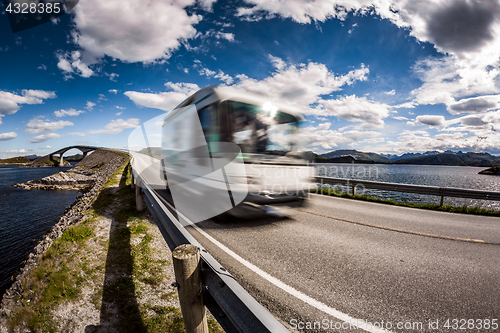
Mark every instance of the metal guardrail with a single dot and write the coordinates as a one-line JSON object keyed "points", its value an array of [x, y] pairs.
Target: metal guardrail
{"points": [[231, 305], [410, 188]]}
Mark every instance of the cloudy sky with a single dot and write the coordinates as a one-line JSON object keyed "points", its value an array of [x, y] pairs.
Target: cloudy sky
{"points": [[373, 75]]}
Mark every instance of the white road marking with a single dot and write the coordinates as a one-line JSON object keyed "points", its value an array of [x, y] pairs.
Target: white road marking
{"points": [[292, 291], [358, 323]]}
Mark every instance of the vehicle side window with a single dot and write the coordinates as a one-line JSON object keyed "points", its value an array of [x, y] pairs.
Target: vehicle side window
{"points": [[223, 122], [208, 122], [205, 119]]}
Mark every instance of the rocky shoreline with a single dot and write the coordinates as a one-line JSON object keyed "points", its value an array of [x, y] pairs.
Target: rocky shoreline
{"points": [[88, 175], [70, 180]]}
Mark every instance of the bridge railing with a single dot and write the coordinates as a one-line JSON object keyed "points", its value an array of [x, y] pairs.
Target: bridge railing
{"points": [[442, 192], [231, 305]]}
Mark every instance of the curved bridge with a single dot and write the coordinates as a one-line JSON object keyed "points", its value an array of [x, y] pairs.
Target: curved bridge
{"points": [[84, 149]]}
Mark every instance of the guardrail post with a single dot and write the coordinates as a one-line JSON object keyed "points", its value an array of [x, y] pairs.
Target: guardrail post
{"points": [[442, 200], [132, 185], [186, 259], [138, 195]]}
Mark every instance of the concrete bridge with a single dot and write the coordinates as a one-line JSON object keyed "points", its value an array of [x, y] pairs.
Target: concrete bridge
{"points": [[84, 149], [50, 157]]}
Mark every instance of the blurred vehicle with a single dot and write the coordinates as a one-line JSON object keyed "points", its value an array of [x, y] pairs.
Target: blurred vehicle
{"points": [[253, 141]]}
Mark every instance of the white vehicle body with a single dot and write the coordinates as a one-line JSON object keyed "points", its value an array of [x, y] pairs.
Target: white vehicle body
{"points": [[236, 127]]}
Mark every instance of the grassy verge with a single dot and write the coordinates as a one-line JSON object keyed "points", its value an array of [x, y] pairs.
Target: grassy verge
{"points": [[110, 265], [20, 159], [54, 280], [444, 208]]}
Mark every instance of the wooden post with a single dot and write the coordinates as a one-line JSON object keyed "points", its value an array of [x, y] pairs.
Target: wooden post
{"points": [[353, 189], [138, 195], [442, 200], [186, 259]]}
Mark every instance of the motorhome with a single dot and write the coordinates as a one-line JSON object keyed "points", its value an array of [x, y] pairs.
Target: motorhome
{"points": [[254, 141]]}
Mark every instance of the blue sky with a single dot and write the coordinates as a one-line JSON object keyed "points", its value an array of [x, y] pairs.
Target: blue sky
{"points": [[378, 76]]}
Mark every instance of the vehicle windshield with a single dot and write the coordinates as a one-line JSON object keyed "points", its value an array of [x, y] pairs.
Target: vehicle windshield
{"points": [[262, 129]]}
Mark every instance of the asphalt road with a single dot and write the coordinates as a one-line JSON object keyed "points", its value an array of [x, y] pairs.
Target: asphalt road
{"points": [[407, 268]]}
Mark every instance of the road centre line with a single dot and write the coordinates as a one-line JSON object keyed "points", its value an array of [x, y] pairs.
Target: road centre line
{"points": [[469, 240], [292, 291], [358, 323]]}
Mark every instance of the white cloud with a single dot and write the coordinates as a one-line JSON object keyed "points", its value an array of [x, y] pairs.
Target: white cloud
{"points": [[302, 84], [464, 31], [428, 120], [37, 126], [355, 109], [10, 103], [113, 91], [90, 105], [8, 136], [422, 141], [18, 151], [206, 4], [77, 133], [322, 139], [472, 121], [407, 105], [215, 34], [64, 64], [129, 31], [475, 104], [70, 112], [391, 93], [165, 101], [43, 138], [117, 126], [71, 63], [220, 75], [453, 26], [112, 76]]}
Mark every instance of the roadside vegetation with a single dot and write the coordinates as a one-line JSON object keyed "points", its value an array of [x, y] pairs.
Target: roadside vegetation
{"points": [[444, 208], [112, 269]]}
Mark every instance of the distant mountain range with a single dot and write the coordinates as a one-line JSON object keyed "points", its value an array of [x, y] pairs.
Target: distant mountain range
{"points": [[428, 158], [151, 151], [357, 155]]}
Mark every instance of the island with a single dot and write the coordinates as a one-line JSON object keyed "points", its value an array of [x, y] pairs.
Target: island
{"points": [[491, 171]]}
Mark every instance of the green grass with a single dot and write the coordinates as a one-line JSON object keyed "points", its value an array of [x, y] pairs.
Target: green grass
{"points": [[444, 208], [56, 279], [166, 319], [123, 170], [77, 234]]}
